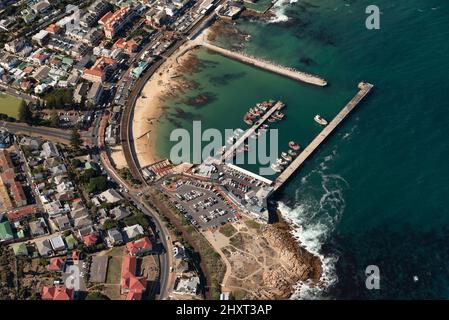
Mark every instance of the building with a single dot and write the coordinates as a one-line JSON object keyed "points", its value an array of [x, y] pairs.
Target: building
{"points": [[130, 283], [41, 7], [98, 9], [95, 93], [114, 22], [140, 247], [15, 45], [187, 285], [57, 243], [17, 194], [57, 293], [63, 222], [6, 233], [119, 213], [56, 264], [101, 69], [44, 248], [41, 37], [80, 92], [49, 149], [38, 227], [110, 196], [128, 46], [133, 231], [115, 237]]}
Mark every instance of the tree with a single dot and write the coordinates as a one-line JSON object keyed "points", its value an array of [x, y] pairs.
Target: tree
{"points": [[75, 139], [96, 296], [54, 119], [97, 184], [109, 224], [25, 113]]}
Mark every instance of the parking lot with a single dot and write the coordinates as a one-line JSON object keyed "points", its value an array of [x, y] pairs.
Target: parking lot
{"points": [[237, 182], [202, 204]]}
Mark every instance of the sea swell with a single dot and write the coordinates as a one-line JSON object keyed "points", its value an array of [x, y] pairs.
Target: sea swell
{"points": [[313, 216]]}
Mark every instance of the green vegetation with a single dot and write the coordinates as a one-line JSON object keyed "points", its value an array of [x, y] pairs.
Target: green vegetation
{"points": [[109, 224], [75, 140], [96, 296], [54, 119], [97, 184], [114, 270], [252, 224], [126, 174], [9, 106], [59, 99], [138, 218], [25, 113], [228, 230]]}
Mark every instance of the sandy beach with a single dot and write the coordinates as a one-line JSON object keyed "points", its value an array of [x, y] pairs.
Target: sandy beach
{"points": [[165, 83]]}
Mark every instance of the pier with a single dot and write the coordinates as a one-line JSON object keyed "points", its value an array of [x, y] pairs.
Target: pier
{"points": [[277, 106], [267, 65], [364, 89]]}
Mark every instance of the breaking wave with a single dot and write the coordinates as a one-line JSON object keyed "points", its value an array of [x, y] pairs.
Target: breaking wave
{"points": [[313, 218], [279, 11]]}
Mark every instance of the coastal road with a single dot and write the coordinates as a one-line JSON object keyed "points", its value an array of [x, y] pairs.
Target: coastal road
{"points": [[165, 258], [53, 134]]}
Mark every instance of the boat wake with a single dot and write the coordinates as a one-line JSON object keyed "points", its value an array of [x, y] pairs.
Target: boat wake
{"points": [[313, 218]]}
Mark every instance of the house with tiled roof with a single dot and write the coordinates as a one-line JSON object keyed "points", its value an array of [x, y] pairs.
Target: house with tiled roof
{"points": [[129, 46], [139, 247], [56, 264], [90, 239], [57, 293], [100, 70], [131, 284]]}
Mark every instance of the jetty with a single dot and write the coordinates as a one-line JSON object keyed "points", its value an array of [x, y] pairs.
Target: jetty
{"points": [[229, 153], [364, 89], [267, 65]]}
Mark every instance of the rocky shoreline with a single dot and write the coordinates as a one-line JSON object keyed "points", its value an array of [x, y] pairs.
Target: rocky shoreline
{"points": [[298, 264]]}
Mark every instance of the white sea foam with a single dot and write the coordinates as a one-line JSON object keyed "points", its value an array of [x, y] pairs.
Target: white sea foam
{"points": [[279, 11], [313, 219]]}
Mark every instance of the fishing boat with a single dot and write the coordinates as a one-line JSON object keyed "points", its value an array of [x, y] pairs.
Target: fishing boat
{"points": [[278, 115], [281, 162], [320, 120], [247, 119], [286, 156], [271, 119], [292, 153], [276, 167], [265, 126], [293, 145]]}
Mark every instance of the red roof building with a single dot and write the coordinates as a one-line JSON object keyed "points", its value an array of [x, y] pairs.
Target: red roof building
{"points": [[140, 246], [53, 28], [76, 255], [18, 194], [22, 213], [90, 239], [131, 284], [57, 293], [114, 22], [129, 46], [56, 264], [97, 73]]}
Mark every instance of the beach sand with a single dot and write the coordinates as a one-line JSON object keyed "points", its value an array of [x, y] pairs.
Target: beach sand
{"points": [[164, 83]]}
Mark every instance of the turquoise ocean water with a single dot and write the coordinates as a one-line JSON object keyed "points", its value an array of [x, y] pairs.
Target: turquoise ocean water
{"points": [[376, 192]]}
